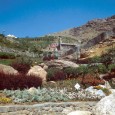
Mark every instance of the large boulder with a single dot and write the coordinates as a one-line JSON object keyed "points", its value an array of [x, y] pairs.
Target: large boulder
{"points": [[8, 69], [80, 113], [61, 64], [38, 72], [106, 106]]}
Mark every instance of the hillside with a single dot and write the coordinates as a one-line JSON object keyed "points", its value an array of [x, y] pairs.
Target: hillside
{"points": [[90, 30]]}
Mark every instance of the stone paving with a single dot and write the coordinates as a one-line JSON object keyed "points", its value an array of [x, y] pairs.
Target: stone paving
{"points": [[49, 108]]}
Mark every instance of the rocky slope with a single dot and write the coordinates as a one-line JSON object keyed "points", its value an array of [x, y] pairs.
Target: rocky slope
{"points": [[90, 30]]}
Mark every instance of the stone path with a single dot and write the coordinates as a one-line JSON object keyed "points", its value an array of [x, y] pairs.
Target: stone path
{"points": [[49, 108]]}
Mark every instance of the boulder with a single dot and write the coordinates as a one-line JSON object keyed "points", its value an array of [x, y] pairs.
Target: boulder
{"points": [[32, 91], [105, 106], [38, 72], [113, 81], [95, 91], [61, 64], [44, 66], [80, 113], [8, 69]]}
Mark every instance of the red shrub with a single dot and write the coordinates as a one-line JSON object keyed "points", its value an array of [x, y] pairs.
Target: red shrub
{"points": [[8, 81], [21, 67], [91, 80]]}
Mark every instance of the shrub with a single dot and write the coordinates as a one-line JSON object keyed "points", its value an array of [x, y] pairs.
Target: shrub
{"points": [[71, 72], [95, 59], [55, 74], [8, 81], [21, 67], [97, 69], [5, 100], [111, 67], [4, 55], [92, 81]]}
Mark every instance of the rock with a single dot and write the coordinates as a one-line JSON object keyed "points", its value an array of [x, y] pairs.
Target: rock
{"points": [[105, 106], [61, 64], [107, 85], [80, 113], [112, 90], [33, 91], [113, 81], [8, 69], [38, 72], [95, 91], [44, 66], [67, 110]]}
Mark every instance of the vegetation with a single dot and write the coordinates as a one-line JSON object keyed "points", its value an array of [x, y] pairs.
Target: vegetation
{"points": [[5, 55], [19, 81], [55, 74], [5, 100], [22, 65]]}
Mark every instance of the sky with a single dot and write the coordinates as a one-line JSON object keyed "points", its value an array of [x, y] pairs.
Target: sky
{"points": [[35, 18]]}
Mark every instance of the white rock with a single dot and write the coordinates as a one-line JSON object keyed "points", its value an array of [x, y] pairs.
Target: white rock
{"points": [[80, 113], [100, 93], [105, 106], [38, 72], [33, 91], [67, 110], [95, 91]]}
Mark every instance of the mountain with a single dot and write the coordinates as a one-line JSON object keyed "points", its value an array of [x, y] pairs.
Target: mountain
{"points": [[90, 30]]}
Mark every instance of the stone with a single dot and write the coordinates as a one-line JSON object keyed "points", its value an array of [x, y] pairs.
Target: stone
{"points": [[105, 106], [80, 113], [8, 69], [113, 81], [38, 72], [95, 91], [61, 64], [107, 85], [44, 66], [33, 91], [67, 110]]}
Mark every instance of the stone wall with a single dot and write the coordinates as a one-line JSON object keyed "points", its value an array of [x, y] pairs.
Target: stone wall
{"points": [[49, 108]]}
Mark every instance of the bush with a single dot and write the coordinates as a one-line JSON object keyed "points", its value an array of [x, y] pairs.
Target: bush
{"points": [[95, 59], [8, 81], [97, 69], [111, 67], [55, 74], [92, 81], [4, 55], [71, 72], [21, 67], [5, 100]]}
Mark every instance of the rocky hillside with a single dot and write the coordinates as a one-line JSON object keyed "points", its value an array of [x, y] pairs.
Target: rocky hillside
{"points": [[90, 30]]}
